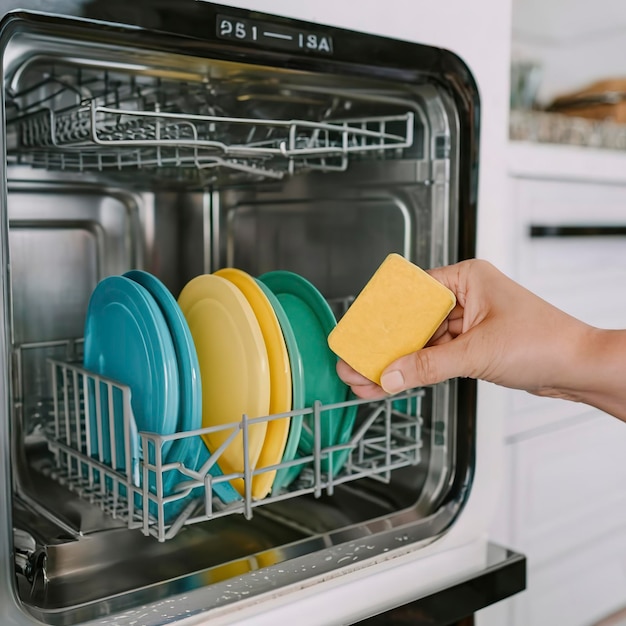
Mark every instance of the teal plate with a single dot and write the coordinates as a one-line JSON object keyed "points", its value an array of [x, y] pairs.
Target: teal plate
{"points": [[127, 340], [285, 476], [198, 456], [189, 450], [190, 410], [312, 319]]}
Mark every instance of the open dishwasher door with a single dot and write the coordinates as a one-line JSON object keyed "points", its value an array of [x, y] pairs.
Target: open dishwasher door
{"points": [[181, 139]]}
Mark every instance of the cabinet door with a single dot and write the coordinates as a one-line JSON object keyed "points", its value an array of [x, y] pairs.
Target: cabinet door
{"points": [[571, 246], [570, 249], [569, 487], [578, 590], [567, 501]]}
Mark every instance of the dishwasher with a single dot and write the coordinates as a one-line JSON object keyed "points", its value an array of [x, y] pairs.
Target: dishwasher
{"points": [[182, 138]]}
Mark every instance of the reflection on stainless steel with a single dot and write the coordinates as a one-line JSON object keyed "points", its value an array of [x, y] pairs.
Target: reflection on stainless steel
{"points": [[57, 258], [25, 546], [76, 570], [260, 234], [94, 216]]}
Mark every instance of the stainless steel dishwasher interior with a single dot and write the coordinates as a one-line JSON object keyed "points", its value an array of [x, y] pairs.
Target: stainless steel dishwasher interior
{"points": [[75, 217]]}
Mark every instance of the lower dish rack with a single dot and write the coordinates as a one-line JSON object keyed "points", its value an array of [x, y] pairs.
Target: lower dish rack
{"points": [[131, 485]]}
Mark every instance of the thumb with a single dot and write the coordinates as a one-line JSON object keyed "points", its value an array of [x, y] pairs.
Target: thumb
{"points": [[425, 367]]}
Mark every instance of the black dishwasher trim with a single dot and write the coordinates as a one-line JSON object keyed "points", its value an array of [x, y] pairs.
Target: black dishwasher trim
{"points": [[503, 576]]}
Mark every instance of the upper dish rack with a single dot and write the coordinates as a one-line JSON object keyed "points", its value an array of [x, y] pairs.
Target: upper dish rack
{"points": [[386, 437], [126, 123]]}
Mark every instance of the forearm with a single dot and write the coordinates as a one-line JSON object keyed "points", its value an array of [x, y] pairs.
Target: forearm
{"points": [[597, 376]]}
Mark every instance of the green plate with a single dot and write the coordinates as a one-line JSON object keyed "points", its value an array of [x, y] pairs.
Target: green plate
{"points": [[285, 476], [312, 319], [343, 436]]}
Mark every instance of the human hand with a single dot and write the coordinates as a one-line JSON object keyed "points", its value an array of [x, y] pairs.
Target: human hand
{"points": [[498, 332]]}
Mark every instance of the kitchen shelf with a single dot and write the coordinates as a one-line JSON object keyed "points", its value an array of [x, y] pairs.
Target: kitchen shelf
{"points": [[541, 127], [386, 437]]}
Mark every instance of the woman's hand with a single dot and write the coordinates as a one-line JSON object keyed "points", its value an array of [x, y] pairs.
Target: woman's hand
{"points": [[502, 333]]}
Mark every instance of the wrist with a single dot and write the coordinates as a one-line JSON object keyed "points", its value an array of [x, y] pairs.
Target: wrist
{"points": [[596, 374]]}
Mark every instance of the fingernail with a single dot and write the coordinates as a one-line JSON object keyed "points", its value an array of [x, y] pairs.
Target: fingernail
{"points": [[392, 382]]}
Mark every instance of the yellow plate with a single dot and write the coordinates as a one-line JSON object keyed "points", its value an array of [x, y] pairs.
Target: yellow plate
{"points": [[280, 376], [234, 367]]}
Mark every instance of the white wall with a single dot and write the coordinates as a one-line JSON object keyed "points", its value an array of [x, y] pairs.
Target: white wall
{"points": [[576, 41]]}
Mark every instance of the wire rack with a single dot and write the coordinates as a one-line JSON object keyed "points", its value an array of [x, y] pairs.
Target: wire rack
{"points": [[90, 412], [128, 126]]}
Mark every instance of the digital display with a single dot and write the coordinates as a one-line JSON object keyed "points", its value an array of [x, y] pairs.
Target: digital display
{"points": [[270, 35]]}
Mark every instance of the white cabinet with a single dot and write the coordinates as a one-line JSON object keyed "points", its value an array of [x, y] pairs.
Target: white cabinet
{"points": [[569, 487], [567, 195], [580, 588], [571, 247], [565, 491]]}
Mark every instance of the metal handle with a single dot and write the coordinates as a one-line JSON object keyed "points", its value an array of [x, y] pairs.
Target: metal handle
{"points": [[583, 230]]}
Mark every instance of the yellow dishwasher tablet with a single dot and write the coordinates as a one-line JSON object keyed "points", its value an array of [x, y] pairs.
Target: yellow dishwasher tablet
{"points": [[397, 312]]}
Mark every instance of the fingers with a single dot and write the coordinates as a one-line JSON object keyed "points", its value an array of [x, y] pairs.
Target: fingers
{"points": [[426, 367], [350, 376], [369, 392], [465, 276], [450, 327], [451, 277], [361, 387]]}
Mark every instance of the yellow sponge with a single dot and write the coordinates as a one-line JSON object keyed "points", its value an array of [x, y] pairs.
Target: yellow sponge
{"points": [[397, 312]]}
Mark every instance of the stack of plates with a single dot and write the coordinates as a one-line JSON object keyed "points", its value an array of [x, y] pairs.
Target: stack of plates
{"points": [[135, 333], [232, 345]]}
